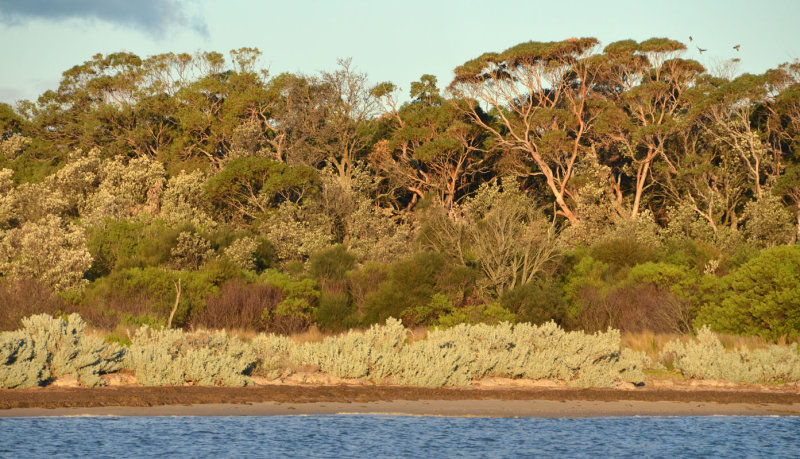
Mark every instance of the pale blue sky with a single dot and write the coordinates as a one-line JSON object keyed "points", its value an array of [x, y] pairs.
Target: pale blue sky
{"points": [[397, 41]]}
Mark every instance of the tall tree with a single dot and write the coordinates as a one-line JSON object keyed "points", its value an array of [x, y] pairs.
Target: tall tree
{"points": [[432, 145], [540, 93], [349, 109], [645, 85]]}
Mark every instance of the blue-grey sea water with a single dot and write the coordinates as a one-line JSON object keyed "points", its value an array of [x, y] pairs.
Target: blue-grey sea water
{"points": [[399, 436]]}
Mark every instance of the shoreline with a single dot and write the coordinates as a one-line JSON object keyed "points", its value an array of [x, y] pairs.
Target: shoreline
{"points": [[285, 400], [428, 408]]}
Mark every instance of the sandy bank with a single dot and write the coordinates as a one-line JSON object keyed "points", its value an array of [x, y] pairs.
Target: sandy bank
{"points": [[304, 400], [479, 408]]}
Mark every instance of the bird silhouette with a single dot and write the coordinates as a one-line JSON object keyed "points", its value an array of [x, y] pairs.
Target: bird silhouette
{"points": [[701, 50], [690, 38], [737, 47]]}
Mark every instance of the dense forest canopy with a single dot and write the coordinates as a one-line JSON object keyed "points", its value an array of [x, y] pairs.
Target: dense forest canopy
{"points": [[593, 185]]}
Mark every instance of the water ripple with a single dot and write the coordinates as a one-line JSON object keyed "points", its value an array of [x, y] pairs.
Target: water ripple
{"points": [[399, 436]]}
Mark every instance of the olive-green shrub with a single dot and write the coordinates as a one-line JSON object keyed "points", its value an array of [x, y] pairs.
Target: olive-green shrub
{"points": [[168, 357], [51, 347], [706, 358], [761, 297]]}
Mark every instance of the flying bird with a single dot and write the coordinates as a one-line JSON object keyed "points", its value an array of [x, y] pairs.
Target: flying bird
{"points": [[737, 47], [701, 50], [690, 38]]}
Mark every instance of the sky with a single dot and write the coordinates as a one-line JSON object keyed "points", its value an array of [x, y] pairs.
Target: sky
{"points": [[396, 41]]}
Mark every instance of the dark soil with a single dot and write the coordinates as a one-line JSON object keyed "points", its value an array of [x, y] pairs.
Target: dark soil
{"points": [[53, 397]]}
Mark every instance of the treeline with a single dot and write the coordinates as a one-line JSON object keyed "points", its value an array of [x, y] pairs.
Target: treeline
{"points": [[622, 186]]}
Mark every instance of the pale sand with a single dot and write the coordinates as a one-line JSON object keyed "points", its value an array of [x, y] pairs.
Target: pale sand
{"points": [[475, 408]]}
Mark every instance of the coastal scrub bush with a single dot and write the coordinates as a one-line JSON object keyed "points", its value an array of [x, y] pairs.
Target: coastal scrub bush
{"points": [[761, 297], [537, 302], [413, 282], [169, 357], [182, 200], [20, 298], [50, 250], [457, 355], [151, 291], [238, 306], [356, 354], [274, 354], [460, 354], [294, 311], [706, 358], [490, 314], [50, 347], [128, 188]]}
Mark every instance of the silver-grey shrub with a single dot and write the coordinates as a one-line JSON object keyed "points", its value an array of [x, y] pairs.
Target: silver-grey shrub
{"points": [[706, 358], [458, 355], [357, 354], [49, 347], [174, 357], [275, 353], [22, 362]]}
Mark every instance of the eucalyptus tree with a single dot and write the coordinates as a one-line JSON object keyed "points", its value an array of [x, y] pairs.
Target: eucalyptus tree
{"points": [[541, 94], [246, 188], [783, 126], [349, 107], [727, 115], [212, 108], [89, 98], [432, 147], [645, 85]]}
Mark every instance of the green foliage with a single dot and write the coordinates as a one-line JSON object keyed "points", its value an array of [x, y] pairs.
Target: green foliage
{"points": [[537, 302], [247, 187], [190, 252], [762, 297], [413, 282], [335, 312], [706, 358], [331, 264], [490, 314], [169, 357], [121, 244], [127, 189], [641, 206], [182, 201], [428, 314], [296, 232], [686, 283], [768, 223], [503, 235], [147, 295], [295, 312], [244, 253], [49, 347], [622, 252]]}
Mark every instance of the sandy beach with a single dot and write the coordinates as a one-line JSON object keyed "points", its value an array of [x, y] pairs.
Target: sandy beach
{"points": [[392, 400]]}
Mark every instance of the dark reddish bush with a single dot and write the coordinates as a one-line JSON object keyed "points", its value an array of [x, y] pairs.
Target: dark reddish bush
{"points": [[633, 308], [21, 298], [239, 306]]}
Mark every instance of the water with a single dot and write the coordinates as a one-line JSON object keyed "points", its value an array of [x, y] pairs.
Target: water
{"points": [[392, 436]]}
